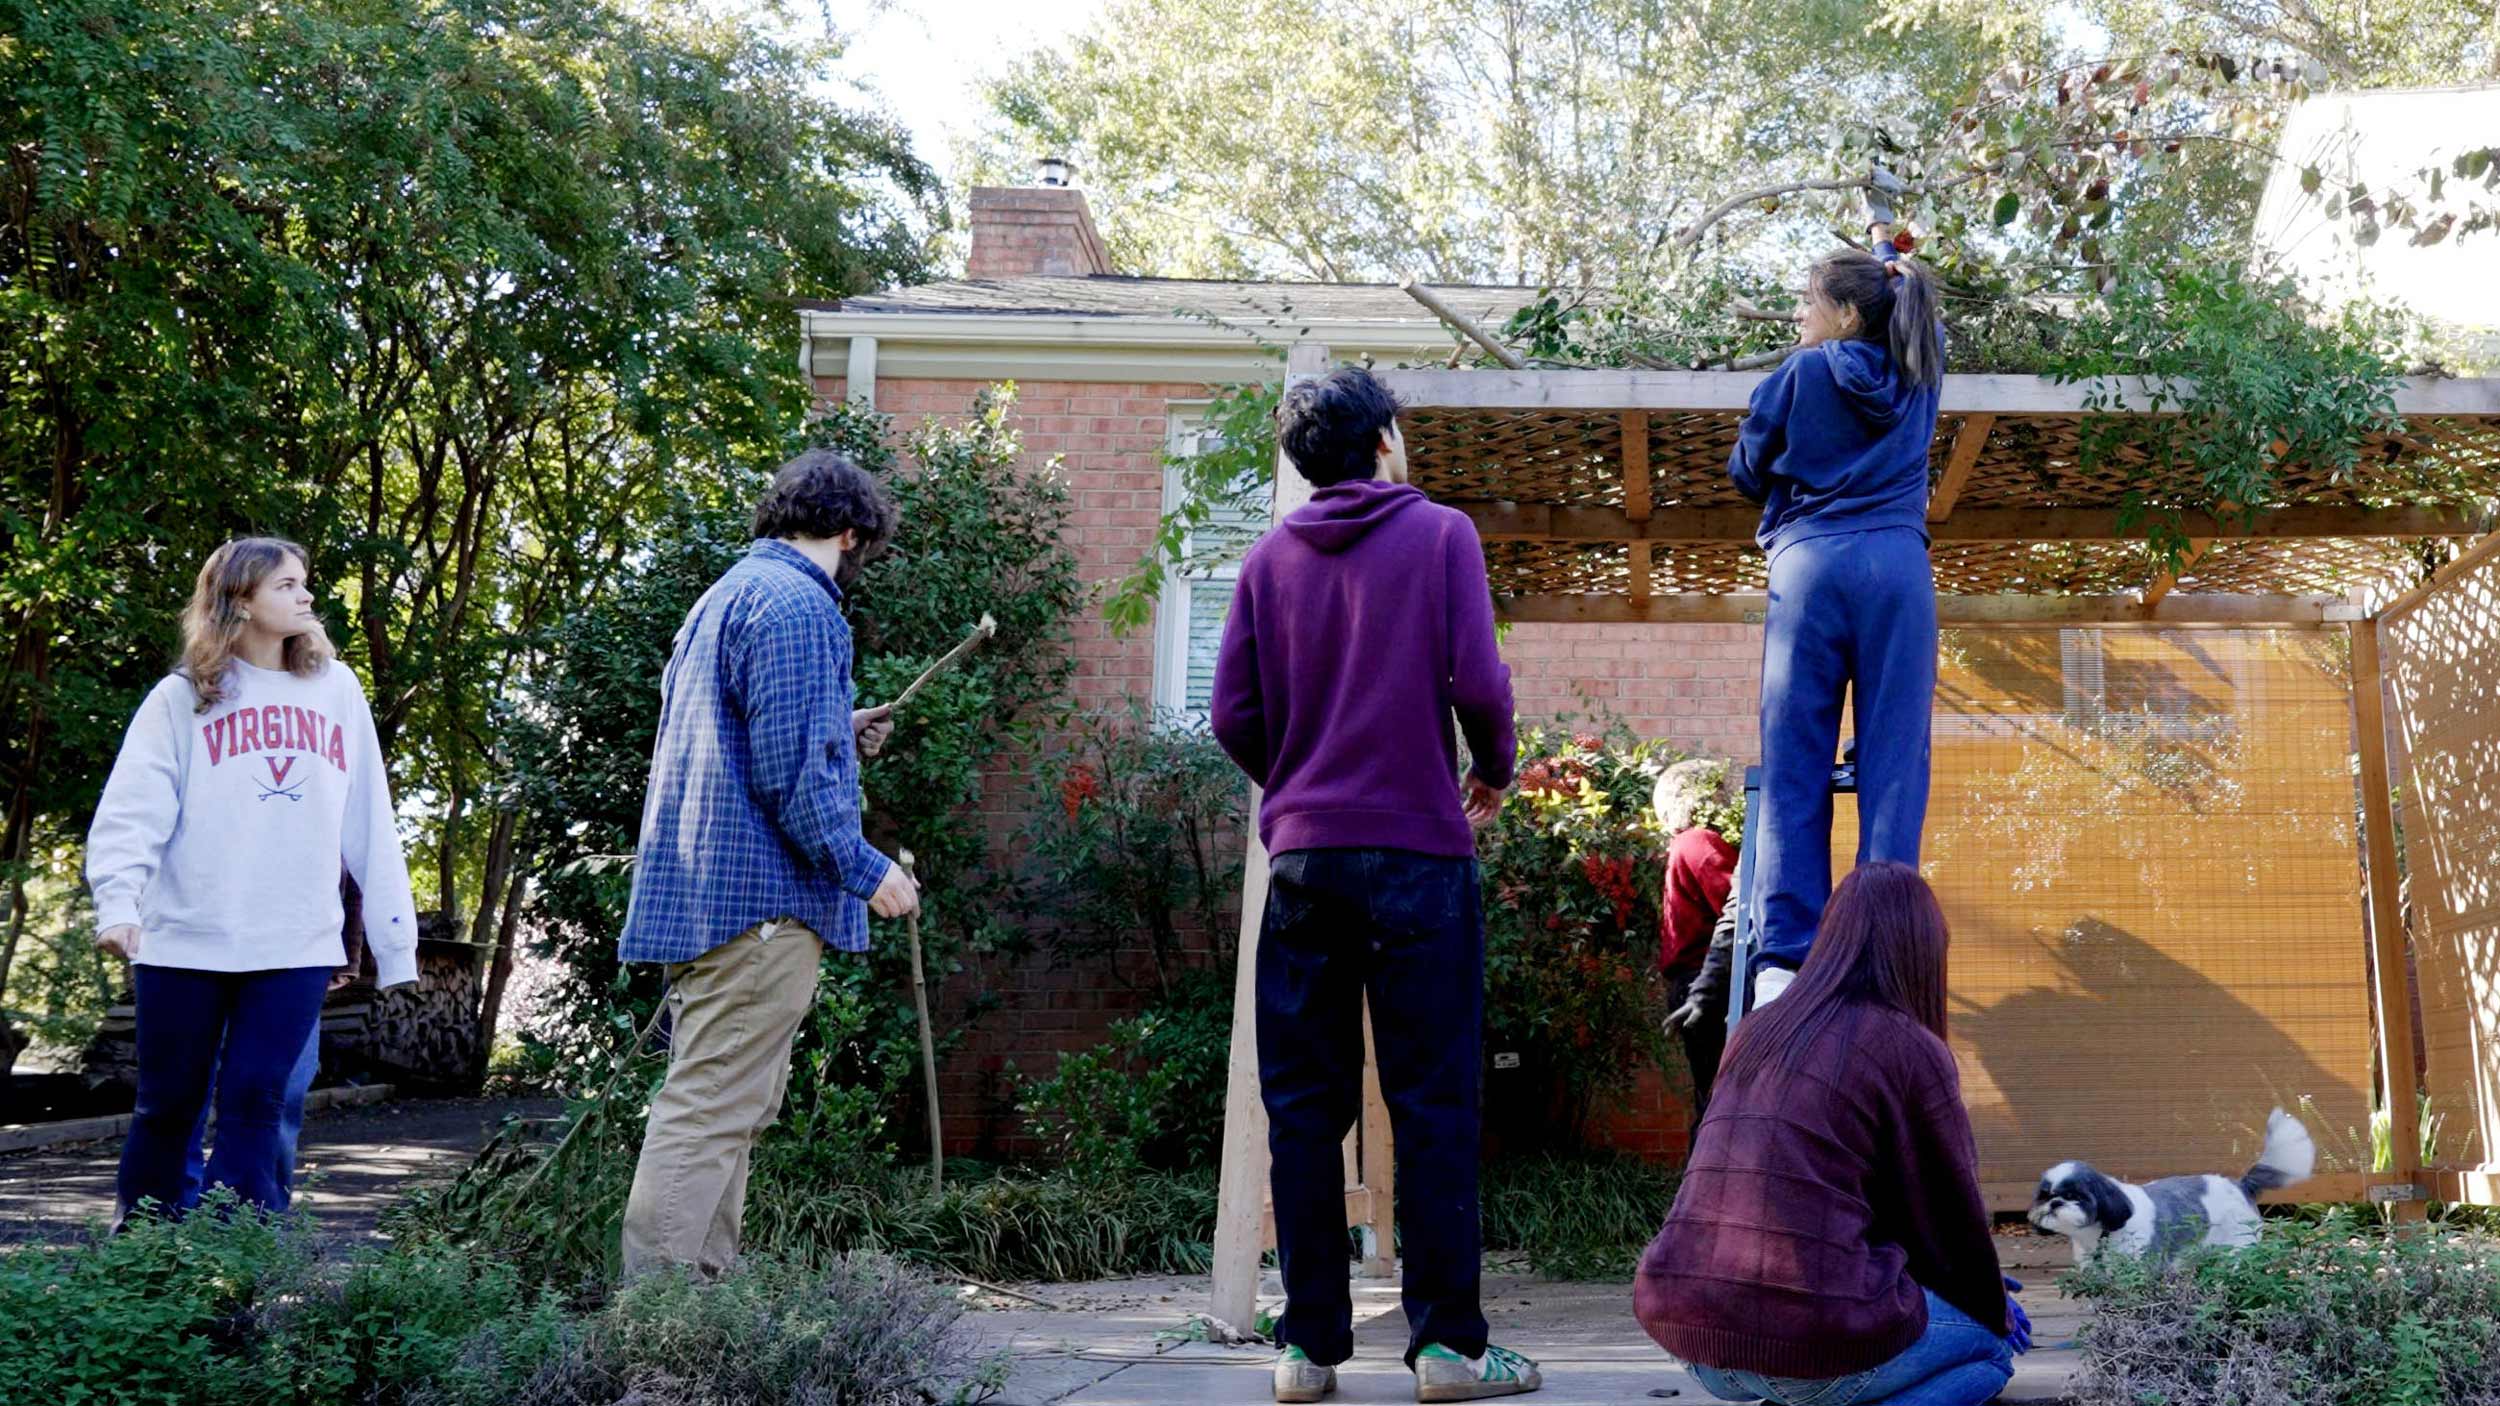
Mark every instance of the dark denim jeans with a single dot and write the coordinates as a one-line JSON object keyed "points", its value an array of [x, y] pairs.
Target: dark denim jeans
{"points": [[1956, 1362], [1406, 930], [290, 1126], [236, 1036]]}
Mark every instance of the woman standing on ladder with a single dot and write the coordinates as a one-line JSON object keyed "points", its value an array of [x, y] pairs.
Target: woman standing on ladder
{"points": [[1834, 447]]}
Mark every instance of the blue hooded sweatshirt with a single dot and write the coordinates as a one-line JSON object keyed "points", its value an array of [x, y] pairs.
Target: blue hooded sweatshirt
{"points": [[1835, 441]]}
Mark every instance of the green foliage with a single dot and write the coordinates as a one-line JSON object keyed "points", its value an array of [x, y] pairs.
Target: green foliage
{"points": [[1575, 1217], [1136, 834], [2256, 381], [1476, 141], [461, 294], [1233, 469], [1151, 1095], [2340, 1313], [158, 1314], [1573, 870], [233, 1308]]}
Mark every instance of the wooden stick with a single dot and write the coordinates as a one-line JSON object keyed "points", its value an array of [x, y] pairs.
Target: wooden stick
{"points": [[1459, 322], [928, 1044], [980, 632]]}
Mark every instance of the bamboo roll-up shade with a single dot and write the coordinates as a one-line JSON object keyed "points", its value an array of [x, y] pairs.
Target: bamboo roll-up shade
{"points": [[2146, 846], [2443, 665]]}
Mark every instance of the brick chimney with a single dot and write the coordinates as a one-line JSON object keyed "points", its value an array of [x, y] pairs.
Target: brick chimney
{"points": [[1023, 230]]}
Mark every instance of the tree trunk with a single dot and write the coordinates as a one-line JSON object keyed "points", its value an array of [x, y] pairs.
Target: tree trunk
{"points": [[490, 1010]]}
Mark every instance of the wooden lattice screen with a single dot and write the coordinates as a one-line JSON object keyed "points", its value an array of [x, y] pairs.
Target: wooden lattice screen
{"points": [[2146, 844], [2442, 651]]}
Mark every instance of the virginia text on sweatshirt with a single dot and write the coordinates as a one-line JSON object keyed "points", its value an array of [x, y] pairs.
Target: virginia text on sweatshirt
{"points": [[221, 834]]}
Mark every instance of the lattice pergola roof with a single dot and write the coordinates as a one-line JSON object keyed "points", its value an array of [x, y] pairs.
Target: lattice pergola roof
{"points": [[1603, 495]]}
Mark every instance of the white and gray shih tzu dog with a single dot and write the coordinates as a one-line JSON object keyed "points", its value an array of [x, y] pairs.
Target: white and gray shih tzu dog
{"points": [[2163, 1217]]}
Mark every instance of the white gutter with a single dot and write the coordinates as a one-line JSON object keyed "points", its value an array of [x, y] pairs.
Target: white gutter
{"points": [[1109, 347]]}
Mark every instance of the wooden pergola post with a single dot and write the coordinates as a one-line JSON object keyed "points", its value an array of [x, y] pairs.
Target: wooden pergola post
{"points": [[1241, 1185], [2392, 1000]]}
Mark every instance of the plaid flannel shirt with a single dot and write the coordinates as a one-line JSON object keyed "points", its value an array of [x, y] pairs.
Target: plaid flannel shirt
{"points": [[753, 807]]}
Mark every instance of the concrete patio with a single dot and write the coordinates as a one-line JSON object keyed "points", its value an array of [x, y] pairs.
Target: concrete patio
{"points": [[1110, 1343]]}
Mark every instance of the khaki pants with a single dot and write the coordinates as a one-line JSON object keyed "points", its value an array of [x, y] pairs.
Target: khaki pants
{"points": [[733, 1012]]}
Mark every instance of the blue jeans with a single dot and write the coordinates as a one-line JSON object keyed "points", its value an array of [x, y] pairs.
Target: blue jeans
{"points": [[1853, 609], [290, 1126], [1956, 1362], [236, 1037], [1406, 930]]}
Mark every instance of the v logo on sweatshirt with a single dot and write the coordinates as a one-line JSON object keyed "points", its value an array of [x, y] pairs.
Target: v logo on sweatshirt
{"points": [[279, 767]]}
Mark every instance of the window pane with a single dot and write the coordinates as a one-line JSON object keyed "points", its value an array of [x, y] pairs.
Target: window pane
{"points": [[1208, 602]]}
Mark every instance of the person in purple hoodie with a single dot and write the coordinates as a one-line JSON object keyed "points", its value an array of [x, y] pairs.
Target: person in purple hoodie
{"points": [[1834, 448], [1359, 627]]}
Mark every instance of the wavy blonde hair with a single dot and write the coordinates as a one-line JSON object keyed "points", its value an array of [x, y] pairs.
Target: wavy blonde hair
{"points": [[213, 622]]}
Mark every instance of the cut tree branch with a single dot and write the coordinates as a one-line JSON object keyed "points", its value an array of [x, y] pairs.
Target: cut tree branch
{"points": [[1458, 321]]}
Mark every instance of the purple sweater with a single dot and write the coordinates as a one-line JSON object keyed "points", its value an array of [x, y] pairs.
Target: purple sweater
{"points": [[1357, 628], [1820, 1200]]}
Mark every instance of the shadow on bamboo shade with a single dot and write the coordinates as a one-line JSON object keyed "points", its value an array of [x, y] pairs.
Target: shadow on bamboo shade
{"points": [[2147, 846], [2443, 665]]}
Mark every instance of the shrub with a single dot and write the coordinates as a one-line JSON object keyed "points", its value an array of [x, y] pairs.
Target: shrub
{"points": [[1137, 832], [2336, 1313], [233, 1308], [1573, 870], [1151, 1095], [862, 1331]]}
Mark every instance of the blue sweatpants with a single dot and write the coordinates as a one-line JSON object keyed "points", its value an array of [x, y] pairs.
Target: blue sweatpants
{"points": [[1854, 608], [234, 1036]]}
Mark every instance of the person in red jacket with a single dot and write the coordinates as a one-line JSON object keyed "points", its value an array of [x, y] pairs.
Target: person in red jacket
{"points": [[1829, 1242], [1701, 867]]}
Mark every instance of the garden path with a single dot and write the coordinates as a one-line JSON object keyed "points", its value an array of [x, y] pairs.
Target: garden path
{"points": [[355, 1162]]}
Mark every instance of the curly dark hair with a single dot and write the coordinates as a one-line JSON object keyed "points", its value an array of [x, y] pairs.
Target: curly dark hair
{"points": [[822, 493], [1331, 427]]}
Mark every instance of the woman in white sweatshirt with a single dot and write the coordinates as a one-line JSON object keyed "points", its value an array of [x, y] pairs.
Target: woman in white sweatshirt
{"points": [[248, 777]]}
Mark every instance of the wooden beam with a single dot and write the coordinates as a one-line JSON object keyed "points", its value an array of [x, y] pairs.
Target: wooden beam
{"points": [[1644, 569], [1241, 1181], [1968, 441], [1617, 389], [2166, 581], [1636, 465], [2392, 998], [1964, 612], [1377, 1165], [2467, 560], [1543, 522]]}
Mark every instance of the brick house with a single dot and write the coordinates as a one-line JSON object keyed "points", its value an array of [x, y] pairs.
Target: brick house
{"points": [[1112, 372]]}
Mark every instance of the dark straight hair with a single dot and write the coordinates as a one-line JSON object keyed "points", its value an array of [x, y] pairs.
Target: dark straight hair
{"points": [[1882, 944], [1899, 312]]}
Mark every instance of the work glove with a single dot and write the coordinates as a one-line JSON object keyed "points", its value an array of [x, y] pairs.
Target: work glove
{"points": [[1882, 186], [2020, 1337], [1686, 1016]]}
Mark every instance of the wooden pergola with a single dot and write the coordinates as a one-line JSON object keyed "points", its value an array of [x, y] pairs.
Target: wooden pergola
{"points": [[1602, 498]]}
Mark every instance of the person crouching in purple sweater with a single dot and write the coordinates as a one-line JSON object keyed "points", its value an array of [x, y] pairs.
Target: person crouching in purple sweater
{"points": [[1358, 628], [1829, 1243]]}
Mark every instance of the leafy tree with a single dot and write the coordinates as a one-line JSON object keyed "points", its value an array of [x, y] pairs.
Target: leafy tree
{"points": [[1535, 141], [454, 291]]}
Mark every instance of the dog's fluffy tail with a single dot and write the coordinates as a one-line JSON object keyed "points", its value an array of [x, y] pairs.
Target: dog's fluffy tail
{"points": [[2289, 1157]]}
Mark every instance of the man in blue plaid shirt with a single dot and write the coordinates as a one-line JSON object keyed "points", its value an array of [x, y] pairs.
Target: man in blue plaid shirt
{"points": [[751, 860]]}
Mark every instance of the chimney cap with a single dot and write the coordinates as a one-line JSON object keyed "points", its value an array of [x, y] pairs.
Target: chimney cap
{"points": [[1052, 171]]}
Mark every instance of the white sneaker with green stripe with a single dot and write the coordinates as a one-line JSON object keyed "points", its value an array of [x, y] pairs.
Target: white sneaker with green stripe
{"points": [[1443, 1375], [1298, 1378]]}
